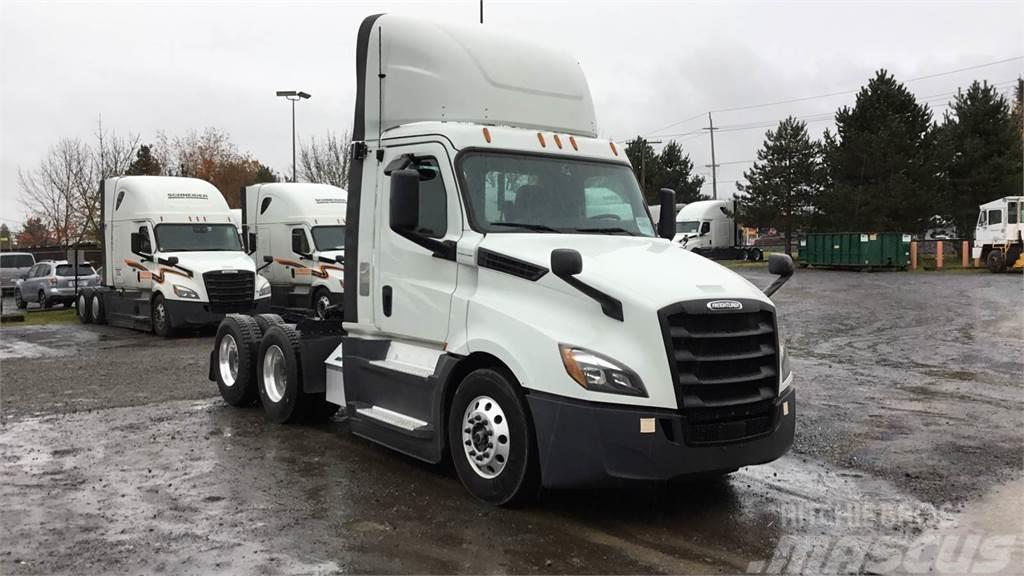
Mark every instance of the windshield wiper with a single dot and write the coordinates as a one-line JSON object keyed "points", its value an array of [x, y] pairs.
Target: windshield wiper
{"points": [[526, 226], [608, 229]]}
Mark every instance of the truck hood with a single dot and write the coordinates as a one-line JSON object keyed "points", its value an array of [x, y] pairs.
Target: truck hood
{"points": [[651, 272], [200, 262]]}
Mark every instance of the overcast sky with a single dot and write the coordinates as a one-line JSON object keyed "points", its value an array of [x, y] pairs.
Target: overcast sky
{"points": [[175, 66]]}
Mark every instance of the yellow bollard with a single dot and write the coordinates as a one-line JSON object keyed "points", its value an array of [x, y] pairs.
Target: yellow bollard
{"points": [[938, 254], [913, 255], [963, 250]]}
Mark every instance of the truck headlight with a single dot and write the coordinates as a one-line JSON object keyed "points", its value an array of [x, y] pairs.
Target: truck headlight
{"points": [[185, 292], [785, 371], [599, 373], [264, 291]]}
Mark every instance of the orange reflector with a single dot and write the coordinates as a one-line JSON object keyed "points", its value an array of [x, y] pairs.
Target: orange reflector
{"points": [[614, 150], [487, 135], [540, 138], [572, 140], [558, 142]]}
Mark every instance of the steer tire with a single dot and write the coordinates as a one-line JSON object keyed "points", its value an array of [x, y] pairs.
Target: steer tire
{"points": [[265, 321], [82, 306], [244, 334], [279, 374], [96, 307], [321, 302], [513, 478], [161, 318], [996, 261]]}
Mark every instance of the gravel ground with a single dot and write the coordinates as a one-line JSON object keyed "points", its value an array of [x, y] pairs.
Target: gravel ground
{"points": [[118, 456]]}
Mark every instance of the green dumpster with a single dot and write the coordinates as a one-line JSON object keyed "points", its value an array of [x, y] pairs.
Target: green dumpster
{"points": [[856, 250]]}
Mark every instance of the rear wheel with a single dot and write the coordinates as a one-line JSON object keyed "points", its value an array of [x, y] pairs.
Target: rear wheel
{"points": [[44, 302], [265, 321], [82, 305], [279, 379], [162, 325], [491, 439], [996, 261], [756, 255], [98, 312], [236, 347]]}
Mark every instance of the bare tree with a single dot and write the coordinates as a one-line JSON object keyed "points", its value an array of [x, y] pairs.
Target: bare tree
{"points": [[325, 160], [54, 190], [111, 156]]}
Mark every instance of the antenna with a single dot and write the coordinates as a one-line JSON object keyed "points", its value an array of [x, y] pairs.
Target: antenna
{"points": [[380, 95]]}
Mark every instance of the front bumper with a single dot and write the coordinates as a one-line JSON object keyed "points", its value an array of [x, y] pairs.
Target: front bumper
{"points": [[192, 313], [586, 443]]}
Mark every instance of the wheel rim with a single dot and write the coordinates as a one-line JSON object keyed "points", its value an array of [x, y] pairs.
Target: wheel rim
{"points": [[81, 307], [95, 307], [321, 306], [275, 380], [227, 360], [159, 316], [18, 301], [485, 437]]}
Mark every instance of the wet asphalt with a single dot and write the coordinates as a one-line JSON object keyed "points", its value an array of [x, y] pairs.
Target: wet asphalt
{"points": [[118, 456]]}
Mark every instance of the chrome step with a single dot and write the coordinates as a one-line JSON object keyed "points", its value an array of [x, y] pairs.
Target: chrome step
{"points": [[391, 417]]}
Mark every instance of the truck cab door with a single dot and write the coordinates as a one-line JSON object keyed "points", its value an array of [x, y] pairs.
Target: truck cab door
{"points": [[414, 287], [996, 228]]}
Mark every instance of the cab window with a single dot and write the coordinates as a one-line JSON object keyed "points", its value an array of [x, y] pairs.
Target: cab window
{"points": [[1011, 213], [705, 227], [995, 217], [433, 218], [300, 244]]}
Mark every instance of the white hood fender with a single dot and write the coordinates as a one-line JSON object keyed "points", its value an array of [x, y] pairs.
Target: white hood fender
{"points": [[199, 263]]}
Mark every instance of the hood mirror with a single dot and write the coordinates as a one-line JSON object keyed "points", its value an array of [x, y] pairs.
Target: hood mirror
{"points": [[667, 216], [566, 262], [782, 266]]}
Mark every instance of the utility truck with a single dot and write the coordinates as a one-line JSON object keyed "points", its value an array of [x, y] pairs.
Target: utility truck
{"points": [[999, 236], [508, 304], [708, 228], [172, 258], [296, 235]]}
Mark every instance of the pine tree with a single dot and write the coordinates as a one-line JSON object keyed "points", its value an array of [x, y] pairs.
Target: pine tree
{"points": [[784, 182], [981, 151], [669, 169], [145, 164], [881, 162]]}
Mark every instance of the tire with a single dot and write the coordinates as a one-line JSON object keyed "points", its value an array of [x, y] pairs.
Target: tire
{"points": [[236, 348], [82, 306], [487, 408], [44, 302], [96, 309], [756, 255], [265, 321], [321, 301], [161, 318], [19, 302], [279, 374], [996, 261]]}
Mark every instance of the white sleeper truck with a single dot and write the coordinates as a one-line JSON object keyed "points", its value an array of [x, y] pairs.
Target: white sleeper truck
{"points": [[172, 258], [708, 228], [296, 235], [500, 309], [999, 236]]}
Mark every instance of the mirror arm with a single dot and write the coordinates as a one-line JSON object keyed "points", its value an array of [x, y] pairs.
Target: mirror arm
{"points": [[167, 262], [776, 284], [441, 248]]}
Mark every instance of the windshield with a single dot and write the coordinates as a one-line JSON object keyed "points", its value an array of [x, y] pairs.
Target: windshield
{"points": [[329, 237], [689, 227], [69, 270], [197, 237], [515, 193]]}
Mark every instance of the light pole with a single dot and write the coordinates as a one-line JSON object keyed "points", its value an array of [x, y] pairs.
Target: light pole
{"points": [[294, 96]]}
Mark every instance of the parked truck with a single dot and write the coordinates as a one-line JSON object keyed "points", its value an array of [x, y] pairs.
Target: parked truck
{"points": [[999, 235], [296, 235], [172, 258], [500, 311], [708, 228]]}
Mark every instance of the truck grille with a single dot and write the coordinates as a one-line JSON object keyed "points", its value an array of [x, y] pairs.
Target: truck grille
{"points": [[725, 367], [230, 291]]}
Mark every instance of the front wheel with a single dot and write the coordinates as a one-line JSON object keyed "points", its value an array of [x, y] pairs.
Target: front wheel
{"points": [[756, 255], [161, 316], [321, 301], [491, 439], [995, 261], [19, 301], [44, 302]]}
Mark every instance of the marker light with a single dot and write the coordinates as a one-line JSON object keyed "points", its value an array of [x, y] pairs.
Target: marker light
{"points": [[540, 138], [572, 140], [558, 142], [487, 135], [614, 149]]}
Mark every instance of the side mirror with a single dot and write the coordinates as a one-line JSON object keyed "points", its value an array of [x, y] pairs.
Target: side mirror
{"points": [[566, 262], [139, 243], [405, 200], [326, 259], [667, 216], [251, 243], [782, 266], [171, 260], [268, 259]]}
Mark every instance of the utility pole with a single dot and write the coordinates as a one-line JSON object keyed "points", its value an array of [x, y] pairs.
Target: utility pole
{"points": [[293, 96], [713, 165], [643, 164]]}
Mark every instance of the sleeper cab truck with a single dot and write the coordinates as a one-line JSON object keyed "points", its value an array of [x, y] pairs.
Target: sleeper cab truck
{"points": [[508, 304], [172, 258], [708, 228], [296, 235], [999, 235]]}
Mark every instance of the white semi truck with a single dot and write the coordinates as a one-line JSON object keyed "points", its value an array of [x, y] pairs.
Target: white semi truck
{"points": [[172, 258], [296, 235], [500, 309], [708, 228], [999, 235]]}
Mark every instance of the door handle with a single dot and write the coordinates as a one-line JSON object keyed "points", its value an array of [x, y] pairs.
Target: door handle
{"points": [[386, 300]]}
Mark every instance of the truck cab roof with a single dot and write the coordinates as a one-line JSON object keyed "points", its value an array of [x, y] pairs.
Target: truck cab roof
{"points": [[296, 202], [165, 198]]}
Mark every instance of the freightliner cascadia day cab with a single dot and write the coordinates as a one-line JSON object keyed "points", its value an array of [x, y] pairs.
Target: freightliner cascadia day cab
{"points": [[296, 235], [999, 235], [172, 258], [508, 304], [708, 228]]}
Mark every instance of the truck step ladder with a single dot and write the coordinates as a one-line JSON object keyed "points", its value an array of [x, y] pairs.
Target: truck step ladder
{"points": [[393, 418]]}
